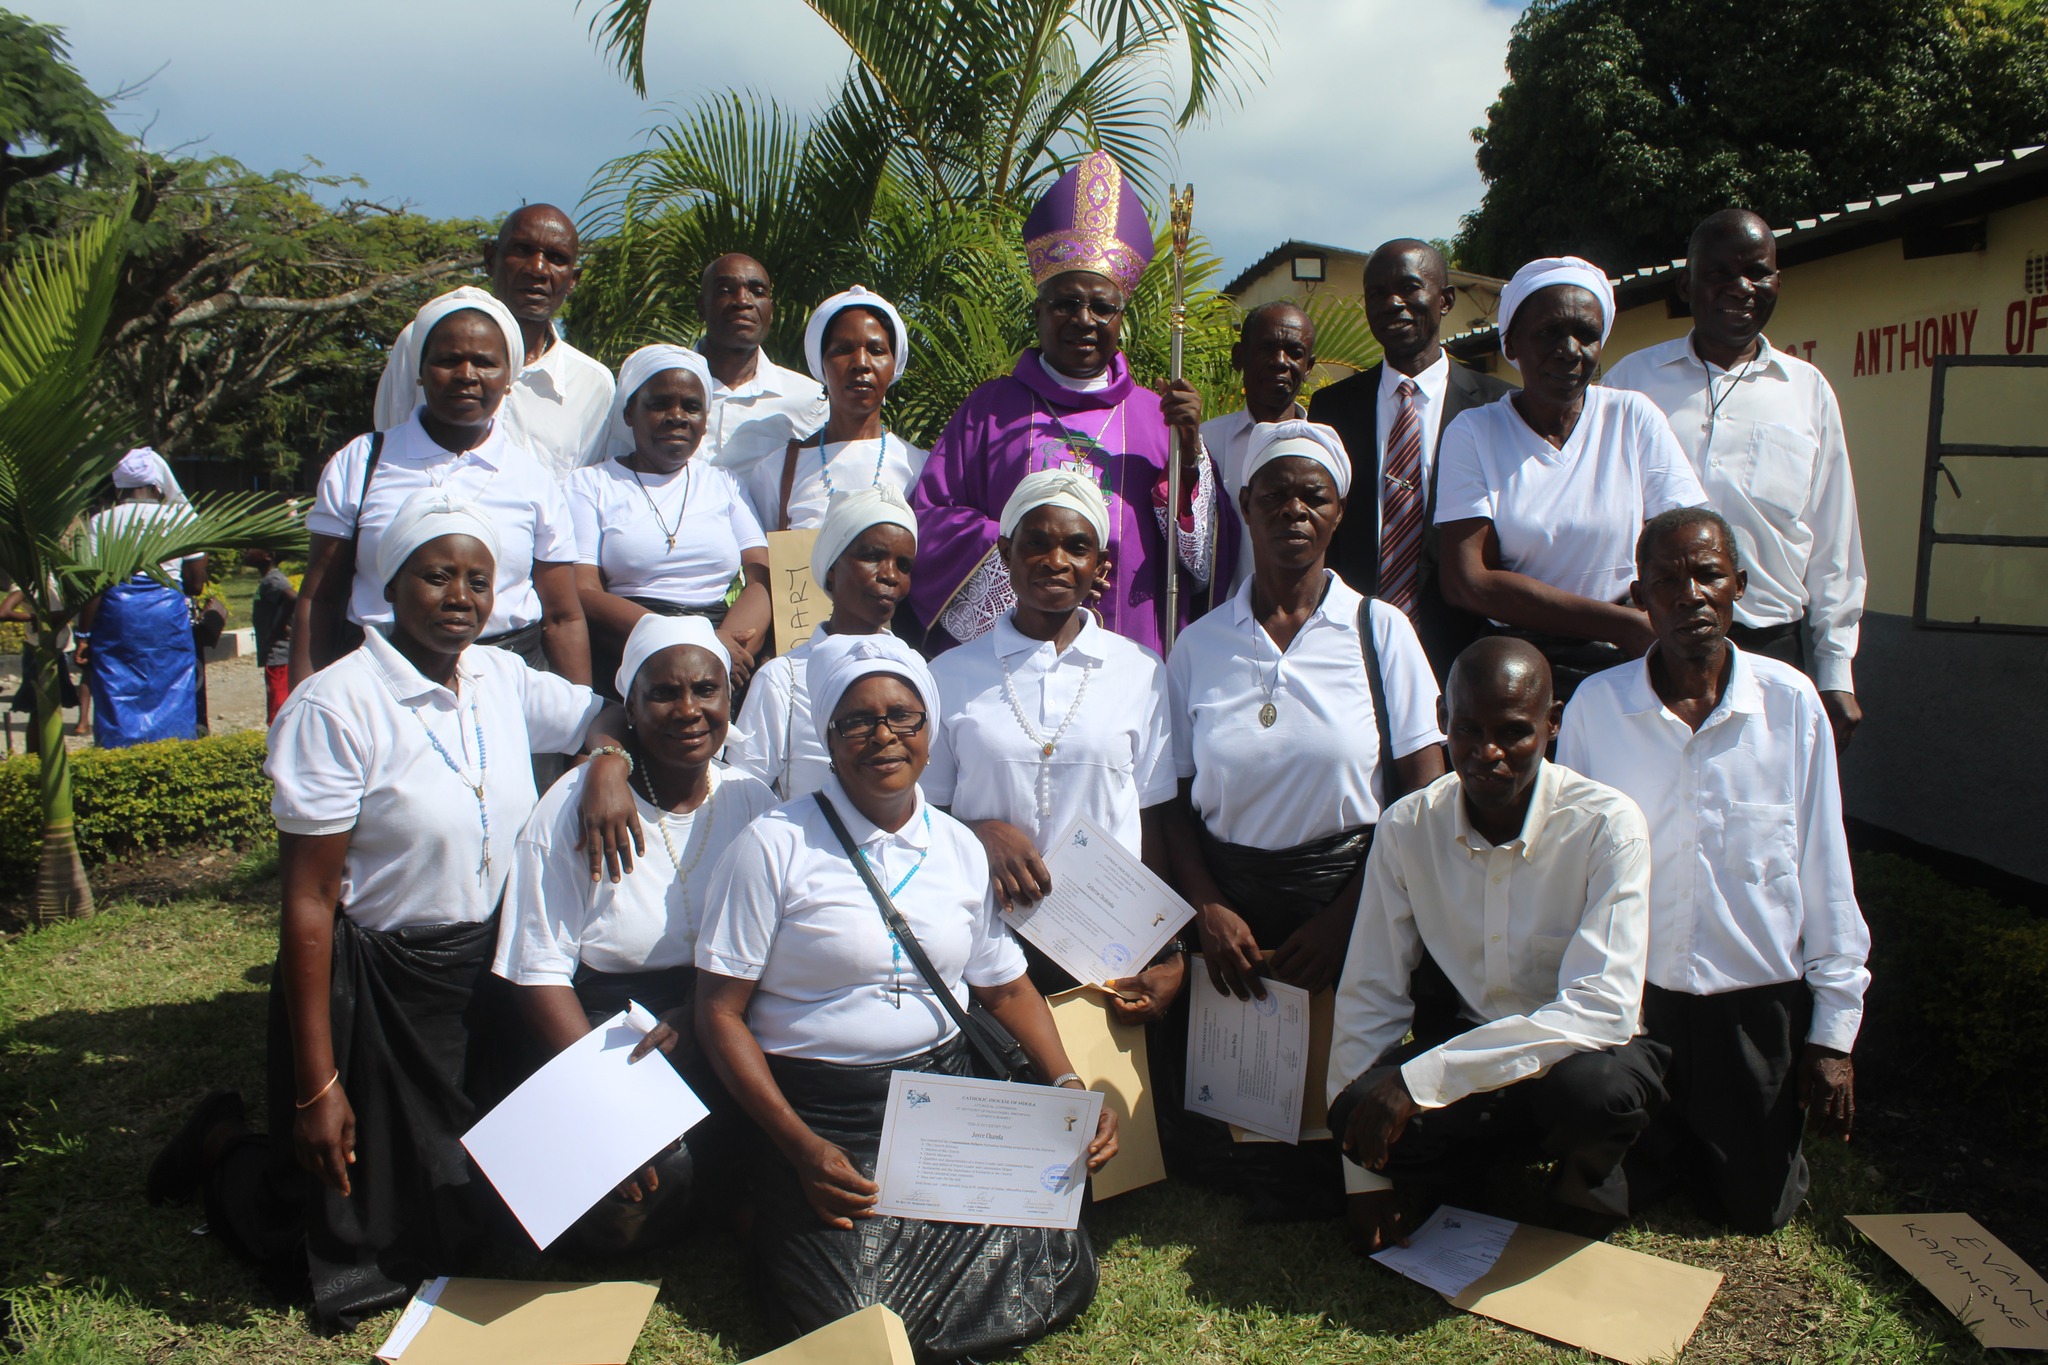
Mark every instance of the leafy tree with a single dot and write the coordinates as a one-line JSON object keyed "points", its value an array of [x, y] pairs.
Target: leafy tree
{"points": [[1624, 122], [59, 442], [50, 120], [915, 179]]}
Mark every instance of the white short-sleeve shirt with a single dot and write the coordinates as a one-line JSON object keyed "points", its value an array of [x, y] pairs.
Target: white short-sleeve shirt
{"points": [[1318, 769], [1114, 759], [353, 749], [833, 467], [623, 521], [774, 738], [557, 918], [788, 911], [522, 500], [1569, 517]]}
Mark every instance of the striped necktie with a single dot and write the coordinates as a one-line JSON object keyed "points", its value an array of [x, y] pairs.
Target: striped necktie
{"points": [[1401, 502]]}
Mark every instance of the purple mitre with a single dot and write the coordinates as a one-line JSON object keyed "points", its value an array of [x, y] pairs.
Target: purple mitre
{"points": [[1089, 220]]}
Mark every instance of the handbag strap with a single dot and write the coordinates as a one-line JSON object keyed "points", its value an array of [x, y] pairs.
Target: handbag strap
{"points": [[900, 927], [1371, 651]]}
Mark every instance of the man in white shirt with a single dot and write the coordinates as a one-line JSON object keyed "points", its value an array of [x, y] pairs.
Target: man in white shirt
{"points": [[1528, 885], [1390, 417], [1274, 351], [1757, 948], [1764, 433], [558, 405], [757, 407]]}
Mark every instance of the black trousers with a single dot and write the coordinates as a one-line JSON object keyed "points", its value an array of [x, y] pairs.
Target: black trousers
{"points": [[1732, 1133], [1584, 1113], [1785, 643]]}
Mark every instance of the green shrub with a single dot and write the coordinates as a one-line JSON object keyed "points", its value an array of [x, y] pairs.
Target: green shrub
{"points": [[170, 794], [1965, 979]]}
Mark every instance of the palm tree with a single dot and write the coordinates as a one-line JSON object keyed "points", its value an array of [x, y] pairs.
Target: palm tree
{"points": [[914, 180], [59, 442]]}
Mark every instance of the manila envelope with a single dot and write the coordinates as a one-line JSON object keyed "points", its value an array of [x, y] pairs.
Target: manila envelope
{"points": [[532, 1322], [800, 605], [1617, 1303], [1111, 1057], [1994, 1293], [1315, 1090], [873, 1336]]}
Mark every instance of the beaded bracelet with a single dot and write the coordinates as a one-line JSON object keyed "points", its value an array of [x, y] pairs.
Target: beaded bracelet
{"points": [[601, 750]]}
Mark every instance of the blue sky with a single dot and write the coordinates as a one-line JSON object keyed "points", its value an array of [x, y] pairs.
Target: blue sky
{"points": [[1360, 132]]}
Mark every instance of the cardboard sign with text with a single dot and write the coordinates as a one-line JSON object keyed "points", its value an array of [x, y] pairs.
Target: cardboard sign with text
{"points": [[1998, 1296], [800, 605]]}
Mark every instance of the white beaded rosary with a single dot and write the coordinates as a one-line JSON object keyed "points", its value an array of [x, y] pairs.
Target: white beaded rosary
{"points": [[1044, 746], [668, 844]]}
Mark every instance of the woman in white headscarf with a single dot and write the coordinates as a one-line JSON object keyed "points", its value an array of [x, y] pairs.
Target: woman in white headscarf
{"points": [[808, 1003], [660, 531], [1047, 718], [401, 780], [580, 950], [1542, 493], [857, 347], [134, 640], [863, 558]]}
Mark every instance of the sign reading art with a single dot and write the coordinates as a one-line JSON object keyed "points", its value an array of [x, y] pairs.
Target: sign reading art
{"points": [[800, 604]]}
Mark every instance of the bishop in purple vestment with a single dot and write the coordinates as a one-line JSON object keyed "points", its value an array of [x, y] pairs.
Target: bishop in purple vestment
{"points": [[1071, 403]]}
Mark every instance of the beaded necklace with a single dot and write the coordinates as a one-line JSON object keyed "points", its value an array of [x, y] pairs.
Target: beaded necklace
{"points": [[668, 844], [896, 944], [825, 463], [1044, 745], [476, 787]]}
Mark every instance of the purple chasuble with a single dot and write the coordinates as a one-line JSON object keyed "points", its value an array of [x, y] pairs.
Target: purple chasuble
{"points": [[1025, 422]]}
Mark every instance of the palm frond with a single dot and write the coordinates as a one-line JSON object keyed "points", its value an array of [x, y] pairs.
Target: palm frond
{"points": [[1226, 42], [88, 564], [620, 27], [1343, 337]]}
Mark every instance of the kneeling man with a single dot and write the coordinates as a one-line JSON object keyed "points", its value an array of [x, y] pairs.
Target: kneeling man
{"points": [[1757, 948], [1528, 884]]}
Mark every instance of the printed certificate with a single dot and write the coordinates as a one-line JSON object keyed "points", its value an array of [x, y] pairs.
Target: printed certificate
{"points": [[1107, 916], [960, 1150], [1248, 1059]]}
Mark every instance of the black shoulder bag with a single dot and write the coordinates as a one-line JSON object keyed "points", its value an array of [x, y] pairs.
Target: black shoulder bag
{"points": [[1000, 1056], [347, 634], [1371, 651]]}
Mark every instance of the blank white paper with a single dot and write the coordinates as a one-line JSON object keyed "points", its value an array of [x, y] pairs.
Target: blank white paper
{"points": [[581, 1124]]}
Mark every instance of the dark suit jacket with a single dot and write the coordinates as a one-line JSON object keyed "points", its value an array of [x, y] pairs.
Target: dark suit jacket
{"points": [[1351, 406]]}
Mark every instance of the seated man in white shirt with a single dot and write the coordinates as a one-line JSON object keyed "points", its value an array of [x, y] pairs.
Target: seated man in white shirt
{"points": [[560, 398], [1757, 948], [1528, 885], [1763, 431]]}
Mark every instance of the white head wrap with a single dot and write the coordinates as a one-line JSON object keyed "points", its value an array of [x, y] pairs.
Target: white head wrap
{"points": [[455, 301], [1310, 440], [640, 367], [839, 661], [1056, 488], [1549, 270], [860, 296], [142, 467], [848, 514], [428, 515], [654, 632]]}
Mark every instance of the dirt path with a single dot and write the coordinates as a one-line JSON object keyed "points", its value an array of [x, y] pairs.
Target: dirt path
{"points": [[234, 700]]}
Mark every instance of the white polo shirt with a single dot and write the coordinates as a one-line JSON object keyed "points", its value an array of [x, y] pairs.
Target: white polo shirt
{"points": [[774, 738], [556, 408], [833, 467], [622, 520], [1318, 770], [787, 910], [350, 750], [524, 505], [1544, 938], [1114, 759], [1566, 517], [1751, 883], [750, 422], [557, 918], [1766, 442]]}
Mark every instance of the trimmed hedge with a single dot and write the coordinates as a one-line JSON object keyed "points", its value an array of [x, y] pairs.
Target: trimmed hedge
{"points": [[170, 794]]}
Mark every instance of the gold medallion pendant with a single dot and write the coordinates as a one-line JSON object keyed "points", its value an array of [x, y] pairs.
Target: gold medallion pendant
{"points": [[1268, 714]]}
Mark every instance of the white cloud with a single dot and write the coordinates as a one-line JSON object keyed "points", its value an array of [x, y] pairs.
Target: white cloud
{"points": [[467, 107]]}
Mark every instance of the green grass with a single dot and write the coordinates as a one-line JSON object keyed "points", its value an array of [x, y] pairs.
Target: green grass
{"points": [[111, 1028]]}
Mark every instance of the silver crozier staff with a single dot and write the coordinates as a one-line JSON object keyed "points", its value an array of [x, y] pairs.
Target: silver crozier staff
{"points": [[1181, 214]]}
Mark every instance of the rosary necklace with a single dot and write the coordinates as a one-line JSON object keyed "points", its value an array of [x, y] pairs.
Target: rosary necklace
{"points": [[476, 787], [661, 827], [1044, 746], [825, 463], [896, 944], [689, 472]]}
